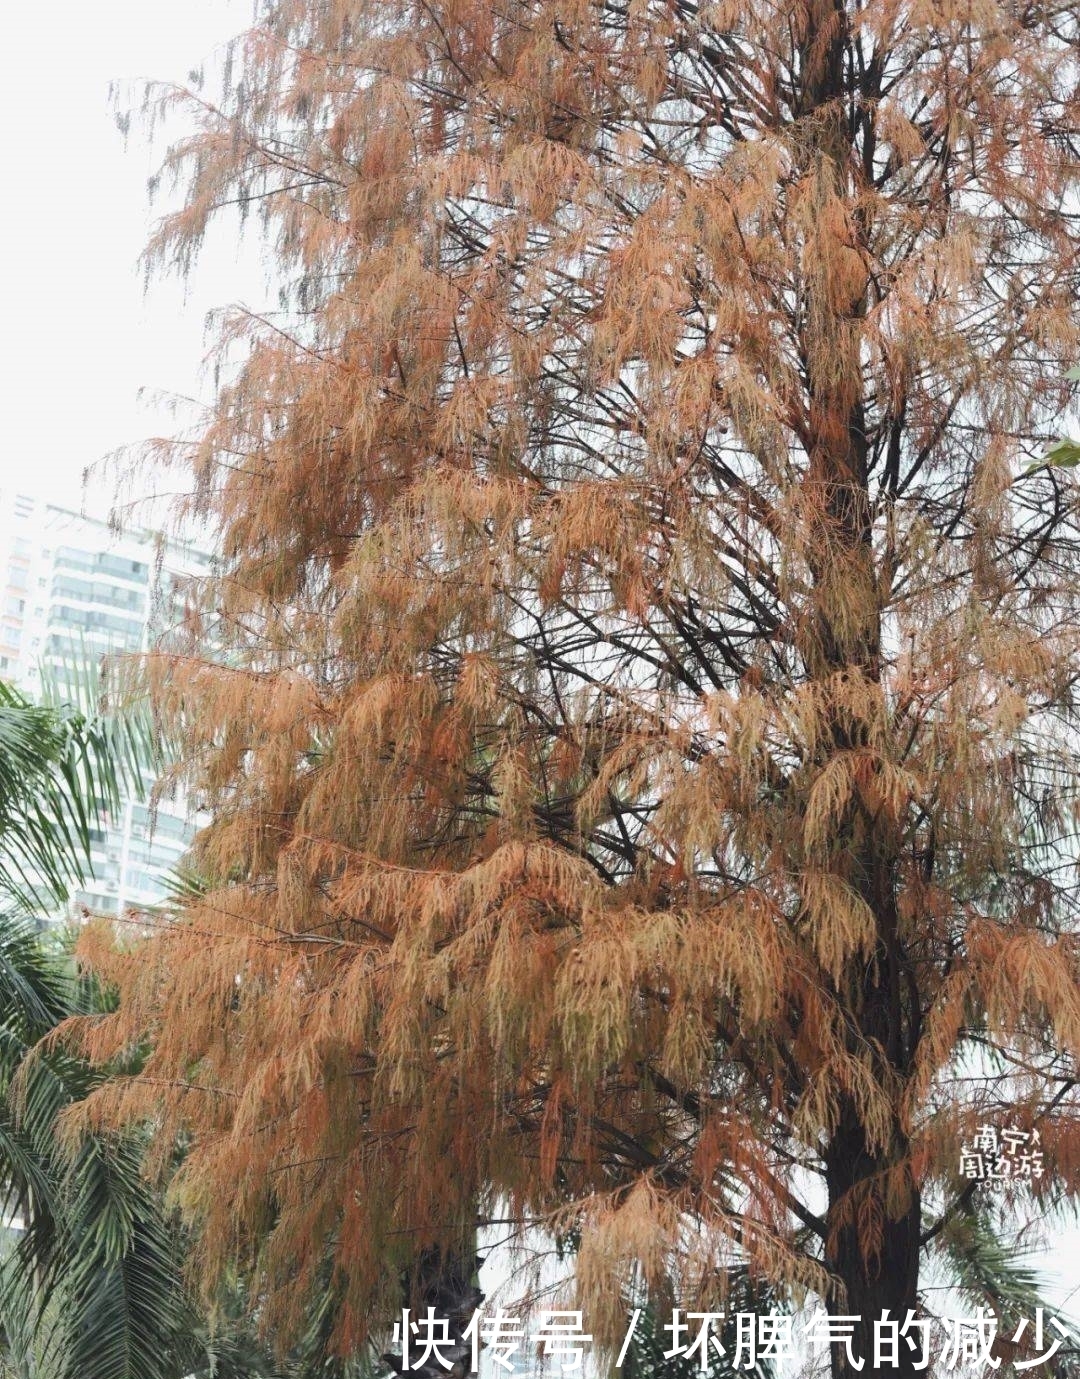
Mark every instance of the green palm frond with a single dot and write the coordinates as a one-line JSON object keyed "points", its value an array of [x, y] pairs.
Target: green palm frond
{"points": [[64, 763], [184, 885], [92, 1282], [95, 1276], [44, 833], [35, 990], [990, 1269], [123, 746], [124, 1313]]}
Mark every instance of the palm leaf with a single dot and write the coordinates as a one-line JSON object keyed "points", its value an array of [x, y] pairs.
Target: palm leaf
{"points": [[991, 1269], [93, 1285]]}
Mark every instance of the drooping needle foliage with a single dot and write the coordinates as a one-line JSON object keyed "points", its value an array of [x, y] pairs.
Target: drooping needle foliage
{"points": [[640, 735]]}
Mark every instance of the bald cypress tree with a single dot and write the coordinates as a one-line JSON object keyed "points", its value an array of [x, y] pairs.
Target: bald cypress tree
{"points": [[642, 774]]}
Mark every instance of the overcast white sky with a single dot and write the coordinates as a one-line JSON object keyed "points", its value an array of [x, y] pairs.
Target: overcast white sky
{"points": [[81, 338]]}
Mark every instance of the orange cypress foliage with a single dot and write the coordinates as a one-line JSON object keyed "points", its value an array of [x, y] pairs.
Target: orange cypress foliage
{"points": [[642, 766]]}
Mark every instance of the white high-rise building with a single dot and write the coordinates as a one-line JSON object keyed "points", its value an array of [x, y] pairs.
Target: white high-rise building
{"points": [[73, 591]]}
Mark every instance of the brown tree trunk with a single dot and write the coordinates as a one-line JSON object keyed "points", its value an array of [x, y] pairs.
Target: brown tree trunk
{"points": [[444, 1282], [873, 1216], [883, 1279]]}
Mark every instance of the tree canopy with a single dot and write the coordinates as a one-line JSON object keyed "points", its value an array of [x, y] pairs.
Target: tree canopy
{"points": [[640, 725]]}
